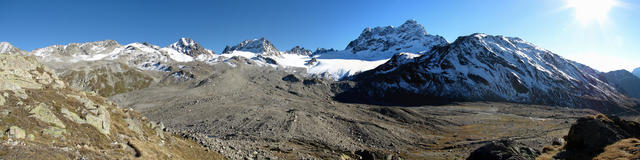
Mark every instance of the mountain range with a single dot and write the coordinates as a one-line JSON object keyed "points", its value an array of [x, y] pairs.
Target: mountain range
{"points": [[398, 62], [391, 93]]}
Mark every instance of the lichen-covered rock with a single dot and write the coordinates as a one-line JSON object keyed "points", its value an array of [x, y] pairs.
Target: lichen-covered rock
{"points": [[134, 125], [2, 100], [16, 132], [42, 113], [20, 72], [101, 120], [54, 131]]}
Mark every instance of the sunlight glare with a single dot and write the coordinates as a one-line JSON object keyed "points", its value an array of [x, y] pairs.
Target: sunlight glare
{"points": [[587, 11]]}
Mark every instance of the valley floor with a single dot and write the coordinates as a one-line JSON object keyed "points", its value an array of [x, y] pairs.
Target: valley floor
{"points": [[255, 114]]}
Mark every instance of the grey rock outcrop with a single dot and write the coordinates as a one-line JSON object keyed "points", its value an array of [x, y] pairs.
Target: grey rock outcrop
{"points": [[504, 150]]}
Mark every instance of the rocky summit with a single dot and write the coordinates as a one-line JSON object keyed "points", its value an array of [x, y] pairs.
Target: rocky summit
{"points": [[408, 37], [190, 47], [261, 46], [43, 118]]}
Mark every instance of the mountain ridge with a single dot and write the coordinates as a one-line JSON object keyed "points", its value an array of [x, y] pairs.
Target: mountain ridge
{"points": [[493, 68]]}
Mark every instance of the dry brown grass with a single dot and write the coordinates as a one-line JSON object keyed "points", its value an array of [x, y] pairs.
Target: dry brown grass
{"points": [[623, 149]]}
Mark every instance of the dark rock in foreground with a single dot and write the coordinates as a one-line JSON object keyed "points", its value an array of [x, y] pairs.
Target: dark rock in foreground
{"points": [[504, 150], [590, 135]]}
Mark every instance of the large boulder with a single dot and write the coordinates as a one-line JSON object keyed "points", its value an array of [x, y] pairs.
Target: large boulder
{"points": [[590, 135], [504, 150]]}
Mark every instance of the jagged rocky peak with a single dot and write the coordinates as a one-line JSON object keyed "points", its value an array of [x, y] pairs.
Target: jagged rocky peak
{"points": [[408, 37], [190, 47], [299, 51], [323, 50], [260, 46], [7, 48]]}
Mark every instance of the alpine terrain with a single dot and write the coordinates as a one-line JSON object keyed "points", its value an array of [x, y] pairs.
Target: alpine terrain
{"points": [[394, 92], [43, 118]]}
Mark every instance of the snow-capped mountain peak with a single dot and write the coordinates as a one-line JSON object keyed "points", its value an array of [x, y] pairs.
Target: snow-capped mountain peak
{"points": [[408, 37], [189, 47], [259, 46]]}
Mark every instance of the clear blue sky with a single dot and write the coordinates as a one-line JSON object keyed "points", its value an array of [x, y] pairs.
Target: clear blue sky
{"points": [[605, 44]]}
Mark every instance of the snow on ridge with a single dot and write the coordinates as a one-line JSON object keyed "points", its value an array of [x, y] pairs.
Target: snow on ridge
{"points": [[479, 66], [5, 47]]}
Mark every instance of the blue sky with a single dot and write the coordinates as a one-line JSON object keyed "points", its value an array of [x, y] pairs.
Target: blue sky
{"points": [[606, 44]]}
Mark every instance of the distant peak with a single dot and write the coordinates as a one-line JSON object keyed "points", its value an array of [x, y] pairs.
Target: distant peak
{"points": [[189, 47], [186, 41], [5, 44], [6, 47], [261, 45], [410, 23], [299, 51], [408, 37], [103, 42]]}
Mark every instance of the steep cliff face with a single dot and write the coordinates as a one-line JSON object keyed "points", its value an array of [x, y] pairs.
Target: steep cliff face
{"points": [[43, 118]]}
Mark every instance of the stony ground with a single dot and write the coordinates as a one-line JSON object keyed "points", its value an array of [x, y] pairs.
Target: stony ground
{"points": [[41, 117], [258, 112]]}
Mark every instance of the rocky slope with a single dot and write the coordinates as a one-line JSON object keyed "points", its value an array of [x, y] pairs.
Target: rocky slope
{"points": [[43, 118], [491, 68], [636, 72], [624, 81], [105, 78]]}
